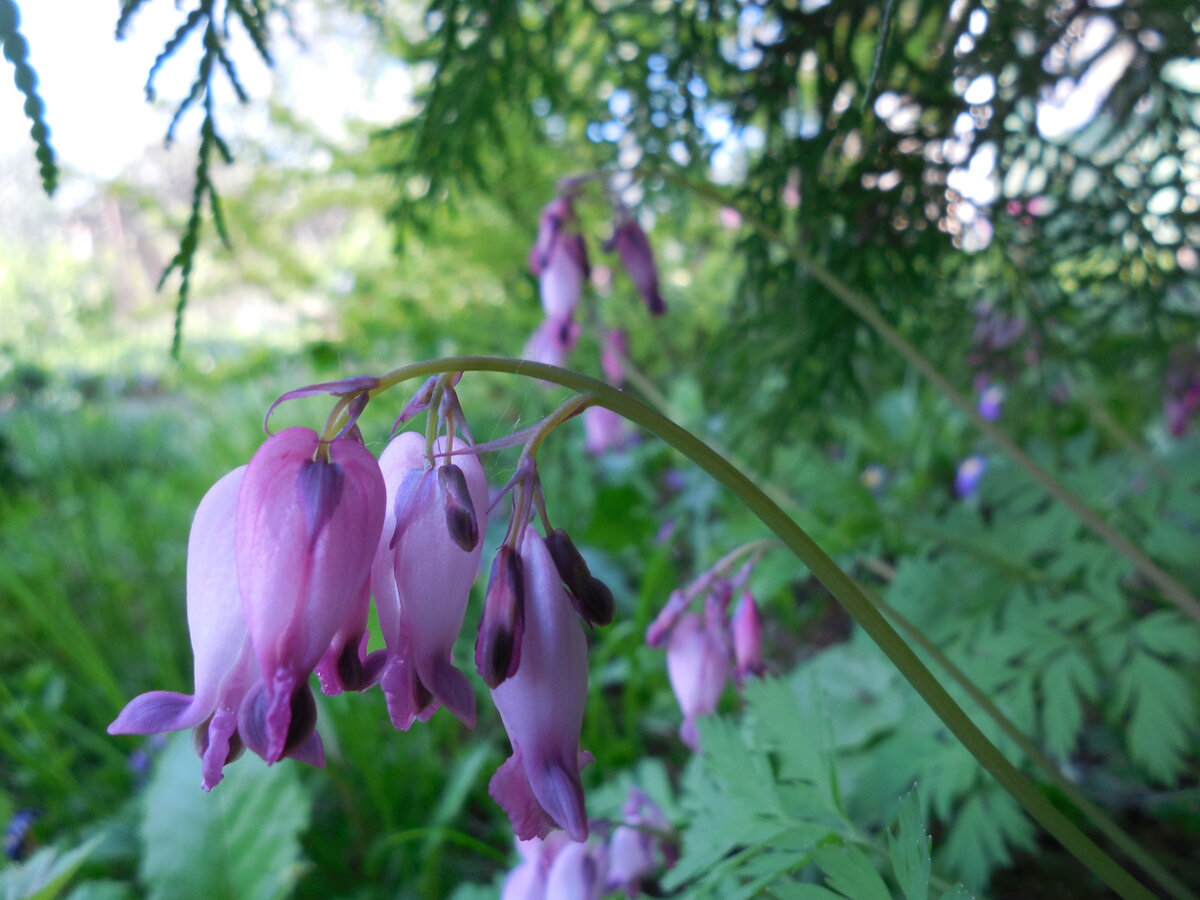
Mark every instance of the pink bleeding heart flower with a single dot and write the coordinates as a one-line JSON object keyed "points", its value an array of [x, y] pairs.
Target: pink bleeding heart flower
{"points": [[553, 341], [422, 579], [308, 519], [542, 708], [224, 668], [637, 257], [604, 430], [634, 846], [698, 666], [746, 628], [578, 872], [559, 259], [527, 881], [614, 350]]}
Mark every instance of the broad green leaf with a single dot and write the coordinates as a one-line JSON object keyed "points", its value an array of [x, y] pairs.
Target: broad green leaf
{"points": [[909, 848], [850, 871], [241, 841]]}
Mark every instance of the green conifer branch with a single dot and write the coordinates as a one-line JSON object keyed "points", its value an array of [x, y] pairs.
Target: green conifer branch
{"points": [[16, 51]]}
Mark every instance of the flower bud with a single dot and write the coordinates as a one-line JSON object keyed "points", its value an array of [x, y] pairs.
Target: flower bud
{"points": [[590, 596], [498, 646], [633, 247], [747, 639], [461, 520]]}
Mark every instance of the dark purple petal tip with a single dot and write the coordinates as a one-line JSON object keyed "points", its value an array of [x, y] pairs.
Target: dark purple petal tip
{"points": [[591, 597], [319, 484], [461, 520], [498, 645]]}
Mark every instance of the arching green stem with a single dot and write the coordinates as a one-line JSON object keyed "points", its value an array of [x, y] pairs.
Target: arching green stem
{"points": [[827, 571]]}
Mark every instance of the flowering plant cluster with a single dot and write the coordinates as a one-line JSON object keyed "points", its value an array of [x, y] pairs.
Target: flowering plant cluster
{"points": [[706, 649], [559, 260], [554, 867], [287, 552]]}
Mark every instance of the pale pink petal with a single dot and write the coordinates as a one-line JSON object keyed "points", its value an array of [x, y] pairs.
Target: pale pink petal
{"points": [[424, 598], [215, 621]]}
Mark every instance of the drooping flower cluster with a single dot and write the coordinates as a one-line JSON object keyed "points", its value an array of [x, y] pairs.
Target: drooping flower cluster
{"points": [[706, 649], [278, 564], [1181, 391], [285, 554], [603, 428], [553, 867], [559, 260]]}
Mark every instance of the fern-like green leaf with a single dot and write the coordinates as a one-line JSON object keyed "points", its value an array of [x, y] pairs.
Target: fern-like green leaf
{"points": [[909, 847], [851, 872], [982, 833], [1163, 716], [1067, 677]]}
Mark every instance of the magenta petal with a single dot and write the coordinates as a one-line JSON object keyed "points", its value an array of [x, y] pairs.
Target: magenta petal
{"points": [[311, 751], [306, 536], [401, 688], [510, 788], [221, 742], [156, 712], [637, 257]]}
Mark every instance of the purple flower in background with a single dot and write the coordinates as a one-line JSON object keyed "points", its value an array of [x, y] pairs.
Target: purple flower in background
{"points": [[308, 517], [614, 349], [746, 628], [1181, 394], [527, 881], [637, 257], [636, 846], [578, 872], [541, 706], [422, 577], [16, 833], [559, 259], [224, 667], [970, 470], [991, 399], [552, 342], [699, 663], [604, 430]]}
